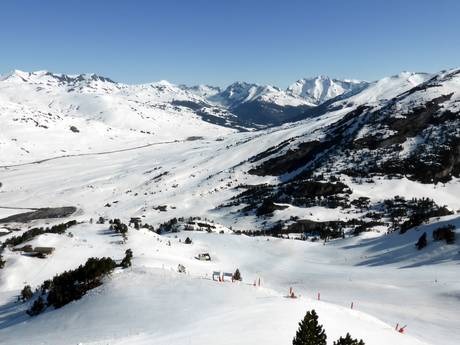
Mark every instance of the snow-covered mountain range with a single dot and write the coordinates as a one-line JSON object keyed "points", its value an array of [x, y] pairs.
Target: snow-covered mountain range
{"points": [[321, 89], [344, 191]]}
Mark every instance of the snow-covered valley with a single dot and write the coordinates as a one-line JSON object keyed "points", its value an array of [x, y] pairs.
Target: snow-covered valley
{"points": [[188, 167]]}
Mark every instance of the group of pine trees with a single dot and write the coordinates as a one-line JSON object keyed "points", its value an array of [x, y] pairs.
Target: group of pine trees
{"points": [[73, 284], [310, 332], [444, 233], [119, 227], [30, 234]]}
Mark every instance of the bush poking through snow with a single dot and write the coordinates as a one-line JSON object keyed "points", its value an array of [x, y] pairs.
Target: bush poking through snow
{"points": [[310, 332], [188, 241], [422, 242], [445, 233], [74, 129], [2, 262], [126, 262], [348, 340]]}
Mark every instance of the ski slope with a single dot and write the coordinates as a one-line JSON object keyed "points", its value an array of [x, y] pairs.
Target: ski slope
{"points": [[131, 306]]}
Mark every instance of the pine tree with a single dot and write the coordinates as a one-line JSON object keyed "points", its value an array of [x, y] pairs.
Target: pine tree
{"points": [[422, 242], [26, 293], [237, 275], [310, 332], [126, 262], [37, 307], [188, 240], [348, 340]]}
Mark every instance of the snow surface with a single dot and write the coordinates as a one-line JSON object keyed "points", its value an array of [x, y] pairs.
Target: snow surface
{"points": [[130, 308]]}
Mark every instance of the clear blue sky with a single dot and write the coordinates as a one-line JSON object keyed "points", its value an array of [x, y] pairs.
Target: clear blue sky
{"points": [[218, 41]]}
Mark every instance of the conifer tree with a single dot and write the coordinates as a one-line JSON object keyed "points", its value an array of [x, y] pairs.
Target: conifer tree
{"points": [[37, 307], [422, 242], [126, 262], [348, 340], [237, 275], [310, 332], [26, 293]]}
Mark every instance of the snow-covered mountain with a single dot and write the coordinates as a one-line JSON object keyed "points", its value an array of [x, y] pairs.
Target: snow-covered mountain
{"points": [[322, 88], [241, 92], [342, 197], [260, 104], [405, 124], [205, 91], [99, 114]]}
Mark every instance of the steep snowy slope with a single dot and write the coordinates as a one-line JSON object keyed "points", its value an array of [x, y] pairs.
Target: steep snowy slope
{"points": [[345, 118]]}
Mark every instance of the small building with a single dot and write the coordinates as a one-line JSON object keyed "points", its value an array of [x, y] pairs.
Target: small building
{"points": [[203, 257], [222, 276], [227, 276]]}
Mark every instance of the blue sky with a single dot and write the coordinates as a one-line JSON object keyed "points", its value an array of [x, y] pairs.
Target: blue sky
{"points": [[217, 42]]}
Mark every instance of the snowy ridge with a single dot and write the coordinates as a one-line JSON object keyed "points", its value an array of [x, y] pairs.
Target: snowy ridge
{"points": [[322, 88], [242, 92]]}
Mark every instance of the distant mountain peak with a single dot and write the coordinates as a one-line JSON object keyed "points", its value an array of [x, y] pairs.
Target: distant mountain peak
{"points": [[46, 76], [322, 88]]}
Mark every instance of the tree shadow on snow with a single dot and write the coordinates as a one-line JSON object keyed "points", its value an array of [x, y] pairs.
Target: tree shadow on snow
{"points": [[12, 313], [399, 249]]}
